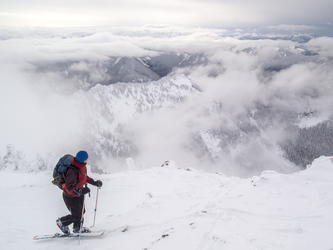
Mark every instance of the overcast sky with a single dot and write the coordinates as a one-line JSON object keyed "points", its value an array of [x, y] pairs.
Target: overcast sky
{"points": [[192, 13]]}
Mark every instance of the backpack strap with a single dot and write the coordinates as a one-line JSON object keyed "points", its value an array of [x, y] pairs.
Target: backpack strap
{"points": [[76, 168]]}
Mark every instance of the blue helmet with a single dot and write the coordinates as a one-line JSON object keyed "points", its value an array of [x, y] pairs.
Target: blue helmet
{"points": [[81, 156]]}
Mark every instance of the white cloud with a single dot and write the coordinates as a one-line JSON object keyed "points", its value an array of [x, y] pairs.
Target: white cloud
{"points": [[323, 45], [96, 47], [233, 78], [293, 27], [33, 121]]}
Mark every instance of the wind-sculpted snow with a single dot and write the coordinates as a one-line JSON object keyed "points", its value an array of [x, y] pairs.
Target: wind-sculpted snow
{"points": [[177, 208]]}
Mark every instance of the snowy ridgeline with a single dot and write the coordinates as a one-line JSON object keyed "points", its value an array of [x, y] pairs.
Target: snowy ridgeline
{"points": [[156, 121], [103, 113], [171, 119], [181, 209]]}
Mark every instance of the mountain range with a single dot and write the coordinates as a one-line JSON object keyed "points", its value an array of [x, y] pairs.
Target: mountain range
{"points": [[86, 74], [129, 100]]}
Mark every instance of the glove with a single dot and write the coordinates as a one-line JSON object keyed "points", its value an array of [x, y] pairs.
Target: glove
{"points": [[96, 183], [81, 191], [99, 183]]}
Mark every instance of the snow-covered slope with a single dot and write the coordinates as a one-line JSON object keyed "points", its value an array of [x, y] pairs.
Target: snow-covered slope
{"points": [[109, 113], [100, 117], [169, 119], [171, 207], [153, 122]]}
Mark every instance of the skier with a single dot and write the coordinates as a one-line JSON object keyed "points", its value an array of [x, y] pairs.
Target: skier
{"points": [[74, 193]]}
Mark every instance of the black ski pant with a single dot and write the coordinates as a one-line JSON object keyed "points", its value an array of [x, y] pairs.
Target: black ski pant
{"points": [[75, 206]]}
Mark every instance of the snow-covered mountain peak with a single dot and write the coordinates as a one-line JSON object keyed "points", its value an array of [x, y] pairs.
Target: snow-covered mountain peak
{"points": [[123, 100]]}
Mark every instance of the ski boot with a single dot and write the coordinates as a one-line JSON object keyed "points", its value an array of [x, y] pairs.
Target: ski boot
{"points": [[63, 228]]}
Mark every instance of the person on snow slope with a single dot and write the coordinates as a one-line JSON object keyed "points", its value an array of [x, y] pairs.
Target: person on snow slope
{"points": [[74, 193]]}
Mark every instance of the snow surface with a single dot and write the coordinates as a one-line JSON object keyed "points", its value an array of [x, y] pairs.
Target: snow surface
{"points": [[174, 208]]}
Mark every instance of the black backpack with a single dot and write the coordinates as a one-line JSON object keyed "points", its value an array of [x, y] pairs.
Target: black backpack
{"points": [[59, 171]]}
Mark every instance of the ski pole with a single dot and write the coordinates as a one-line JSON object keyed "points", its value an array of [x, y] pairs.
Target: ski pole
{"points": [[96, 206], [81, 222]]}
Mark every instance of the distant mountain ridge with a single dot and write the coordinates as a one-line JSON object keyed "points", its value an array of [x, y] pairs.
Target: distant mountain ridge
{"points": [[116, 94], [117, 118], [209, 137], [86, 74], [113, 106]]}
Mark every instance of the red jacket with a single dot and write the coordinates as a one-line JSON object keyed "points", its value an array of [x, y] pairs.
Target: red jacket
{"points": [[75, 178]]}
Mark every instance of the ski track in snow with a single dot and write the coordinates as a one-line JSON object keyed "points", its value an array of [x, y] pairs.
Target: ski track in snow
{"points": [[174, 208]]}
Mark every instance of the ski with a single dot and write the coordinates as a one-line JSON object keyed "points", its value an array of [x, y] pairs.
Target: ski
{"points": [[83, 235], [72, 235]]}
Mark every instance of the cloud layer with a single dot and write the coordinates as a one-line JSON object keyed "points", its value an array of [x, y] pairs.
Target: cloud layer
{"points": [[36, 118]]}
